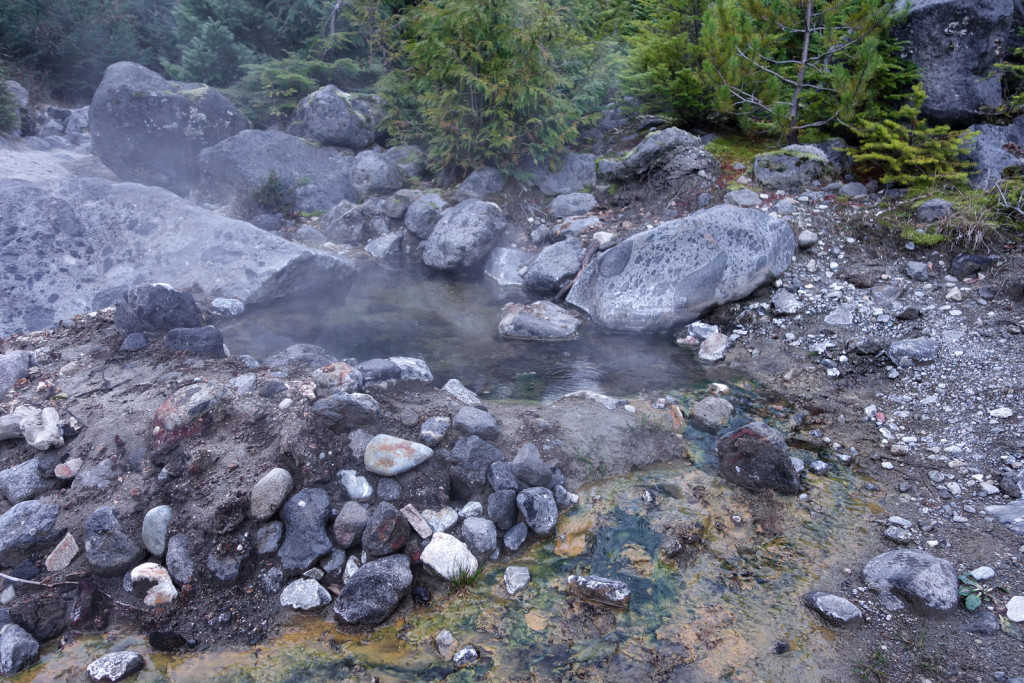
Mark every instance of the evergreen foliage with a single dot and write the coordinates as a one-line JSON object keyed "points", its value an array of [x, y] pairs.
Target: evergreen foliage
{"points": [[784, 66], [269, 92], [69, 43], [478, 82], [665, 59], [212, 57], [911, 153]]}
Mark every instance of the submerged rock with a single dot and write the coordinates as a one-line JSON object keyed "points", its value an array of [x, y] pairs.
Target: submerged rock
{"points": [[538, 321], [116, 666], [606, 591]]}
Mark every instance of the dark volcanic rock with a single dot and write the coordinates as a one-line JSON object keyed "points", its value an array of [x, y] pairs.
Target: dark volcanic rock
{"points": [[155, 308], [110, 548], [756, 456], [18, 649], [538, 508], [501, 508], [387, 530], [470, 459], [305, 530], [373, 592]]}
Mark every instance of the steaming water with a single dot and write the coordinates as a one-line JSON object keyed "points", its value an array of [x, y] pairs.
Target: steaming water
{"points": [[453, 326]]}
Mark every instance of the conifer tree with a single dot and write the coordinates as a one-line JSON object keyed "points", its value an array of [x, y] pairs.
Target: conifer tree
{"points": [[477, 83], [910, 152], [788, 65]]}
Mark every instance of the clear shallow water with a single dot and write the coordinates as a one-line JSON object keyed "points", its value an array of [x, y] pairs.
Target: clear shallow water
{"points": [[713, 616], [453, 326]]}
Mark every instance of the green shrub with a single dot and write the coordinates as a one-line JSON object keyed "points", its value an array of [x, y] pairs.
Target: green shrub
{"points": [[477, 83], [268, 93], [909, 152], [273, 195]]}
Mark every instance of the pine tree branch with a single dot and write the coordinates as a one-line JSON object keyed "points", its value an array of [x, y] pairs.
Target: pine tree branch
{"points": [[788, 81]]}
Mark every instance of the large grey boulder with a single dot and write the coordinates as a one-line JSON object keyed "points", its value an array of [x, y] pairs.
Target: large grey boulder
{"points": [[233, 168], [374, 173], [992, 151], [351, 223], [112, 236], [150, 130], [671, 275], [955, 45], [575, 172], [928, 583], [656, 150], [792, 168], [335, 117], [554, 266], [464, 236]]}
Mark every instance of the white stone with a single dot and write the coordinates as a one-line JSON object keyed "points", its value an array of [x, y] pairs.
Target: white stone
{"points": [[448, 556], [459, 391], [357, 487], [982, 573], [162, 590], [62, 555], [304, 594], [516, 579], [1015, 609], [1002, 413], [471, 509], [443, 519], [390, 456], [416, 521]]}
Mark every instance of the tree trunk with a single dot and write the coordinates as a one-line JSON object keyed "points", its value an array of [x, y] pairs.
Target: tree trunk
{"points": [[794, 105]]}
